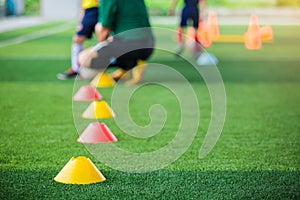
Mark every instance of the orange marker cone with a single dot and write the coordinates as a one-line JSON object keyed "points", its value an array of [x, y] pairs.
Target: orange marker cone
{"points": [[103, 79], [98, 110], [252, 36], [213, 26], [79, 170], [203, 35], [96, 133], [87, 93], [266, 33]]}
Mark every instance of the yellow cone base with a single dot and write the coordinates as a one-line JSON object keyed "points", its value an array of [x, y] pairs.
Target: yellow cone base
{"points": [[98, 110], [79, 170], [103, 79]]}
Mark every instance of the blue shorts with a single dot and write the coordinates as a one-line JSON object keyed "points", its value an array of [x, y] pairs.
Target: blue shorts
{"points": [[189, 13], [88, 23]]}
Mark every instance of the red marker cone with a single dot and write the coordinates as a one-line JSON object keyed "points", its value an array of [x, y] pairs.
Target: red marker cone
{"points": [[87, 93], [96, 133]]}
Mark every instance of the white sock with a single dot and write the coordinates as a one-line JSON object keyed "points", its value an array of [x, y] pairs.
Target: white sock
{"points": [[76, 49]]}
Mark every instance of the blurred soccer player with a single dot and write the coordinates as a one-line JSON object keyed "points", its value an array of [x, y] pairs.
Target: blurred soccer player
{"points": [[89, 18], [190, 12], [127, 21]]}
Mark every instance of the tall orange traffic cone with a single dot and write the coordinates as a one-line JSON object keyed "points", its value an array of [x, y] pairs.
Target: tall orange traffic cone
{"points": [[87, 93], [203, 35], [98, 110], [252, 36], [79, 170], [266, 33], [96, 133], [213, 26]]}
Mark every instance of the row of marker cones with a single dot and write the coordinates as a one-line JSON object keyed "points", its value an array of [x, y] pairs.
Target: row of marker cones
{"points": [[81, 170], [255, 35], [208, 32]]}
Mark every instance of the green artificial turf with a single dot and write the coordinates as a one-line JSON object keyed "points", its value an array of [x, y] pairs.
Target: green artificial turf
{"points": [[256, 157]]}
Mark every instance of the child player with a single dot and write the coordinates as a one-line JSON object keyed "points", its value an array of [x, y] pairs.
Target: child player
{"points": [[190, 12], [89, 18]]}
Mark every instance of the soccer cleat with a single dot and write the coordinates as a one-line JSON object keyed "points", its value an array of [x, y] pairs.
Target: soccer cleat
{"points": [[120, 74], [70, 73], [137, 73]]}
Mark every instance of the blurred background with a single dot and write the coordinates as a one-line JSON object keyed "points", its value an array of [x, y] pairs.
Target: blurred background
{"points": [[70, 8]]}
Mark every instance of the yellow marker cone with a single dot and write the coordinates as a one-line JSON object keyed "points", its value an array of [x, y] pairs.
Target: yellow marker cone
{"points": [[103, 79], [98, 110], [79, 170]]}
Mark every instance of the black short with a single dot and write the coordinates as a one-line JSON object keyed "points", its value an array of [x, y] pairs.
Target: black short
{"points": [[189, 13], [123, 53], [88, 23]]}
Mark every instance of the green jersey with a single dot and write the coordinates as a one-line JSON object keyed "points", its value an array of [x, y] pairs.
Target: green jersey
{"points": [[125, 15]]}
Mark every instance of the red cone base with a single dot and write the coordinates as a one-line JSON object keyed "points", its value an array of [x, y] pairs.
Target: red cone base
{"points": [[97, 133]]}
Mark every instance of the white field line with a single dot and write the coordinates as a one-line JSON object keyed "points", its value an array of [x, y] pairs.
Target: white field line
{"points": [[34, 58], [36, 35]]}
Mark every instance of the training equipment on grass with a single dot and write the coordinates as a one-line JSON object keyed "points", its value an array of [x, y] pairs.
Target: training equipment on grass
{"points": [[266, 33], [87, 93], [103, 79], [96, 133], [98, 110], [208, 33], [79, 170], [213, 26], [252, 36], [203, 35], [207, 59]]}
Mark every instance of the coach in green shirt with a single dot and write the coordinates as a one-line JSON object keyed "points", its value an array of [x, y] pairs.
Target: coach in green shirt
{"points": [[127, 21]]}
